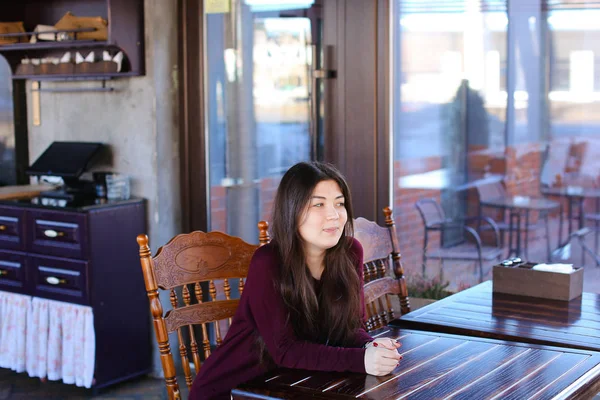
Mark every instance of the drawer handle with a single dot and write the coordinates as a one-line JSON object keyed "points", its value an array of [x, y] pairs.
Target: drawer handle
{"points": [[2, 228], [55, 281], [51, 233]]}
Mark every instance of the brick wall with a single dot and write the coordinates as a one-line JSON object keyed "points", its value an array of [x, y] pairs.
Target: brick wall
{"points": [[218, 208], [268, 189], [520, 165], [218, 203], [409, 225]]}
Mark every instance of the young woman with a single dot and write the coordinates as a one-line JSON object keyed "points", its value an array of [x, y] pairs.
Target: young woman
{"points": [[302, 305]]}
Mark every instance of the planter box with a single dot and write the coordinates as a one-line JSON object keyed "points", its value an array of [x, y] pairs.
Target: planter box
{"points": [[418, 302], [523, 281]]}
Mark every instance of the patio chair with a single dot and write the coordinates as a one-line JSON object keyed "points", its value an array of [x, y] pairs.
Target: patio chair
{"points": [[380, 257], [434, 220], [188, 264], [595, 219], [564, 251], [496, 190]]}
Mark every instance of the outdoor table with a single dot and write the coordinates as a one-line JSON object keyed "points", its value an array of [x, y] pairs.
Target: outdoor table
{"points": [[575, 196], [516, 205]]}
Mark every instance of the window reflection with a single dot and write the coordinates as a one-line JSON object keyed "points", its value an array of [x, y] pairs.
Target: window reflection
{"points": [[573, 157], [486, 95], [449, 107], [451, 89]]}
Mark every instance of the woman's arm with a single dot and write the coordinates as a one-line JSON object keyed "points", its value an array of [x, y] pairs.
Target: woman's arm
{"points": [[362, 337], [270, 315]]}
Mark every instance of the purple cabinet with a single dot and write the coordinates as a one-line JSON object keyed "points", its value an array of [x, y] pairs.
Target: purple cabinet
{"points": [[57, 233], [12, 272], [84, 255], [12, 228], [59, 279]]}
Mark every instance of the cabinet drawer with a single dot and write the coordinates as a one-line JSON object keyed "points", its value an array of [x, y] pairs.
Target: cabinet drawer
{"points": [[58, 234], [13, 272], [59, 279], [12, 229]]}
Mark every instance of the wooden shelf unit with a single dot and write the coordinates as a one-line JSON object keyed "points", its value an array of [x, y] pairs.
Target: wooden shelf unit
{"points": [[125, 33]]}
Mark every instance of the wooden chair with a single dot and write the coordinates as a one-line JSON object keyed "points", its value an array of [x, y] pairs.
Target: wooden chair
{"points": [[190, 264], [381, 254]]}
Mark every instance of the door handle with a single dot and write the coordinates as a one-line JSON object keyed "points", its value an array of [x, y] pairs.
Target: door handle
{"points": [[51, 233], [324, 74], [319, 71], [55, 281]]}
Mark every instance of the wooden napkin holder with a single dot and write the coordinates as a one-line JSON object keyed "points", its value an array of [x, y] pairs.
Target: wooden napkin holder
{"points": [[520, 279]]}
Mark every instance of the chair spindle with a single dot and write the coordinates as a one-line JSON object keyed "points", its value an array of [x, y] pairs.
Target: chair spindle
{"points": [[182, 347], [213, 297], [205, 341], [241, 285], [227, 289]]}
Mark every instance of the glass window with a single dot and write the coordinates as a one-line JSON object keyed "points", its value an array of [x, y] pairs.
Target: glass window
{"points": [[573, 157], [449, 109], [498, 95]]}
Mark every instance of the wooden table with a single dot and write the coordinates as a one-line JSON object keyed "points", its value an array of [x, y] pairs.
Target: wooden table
{"points": [[23, 191], [479, 312], [438, 365]]}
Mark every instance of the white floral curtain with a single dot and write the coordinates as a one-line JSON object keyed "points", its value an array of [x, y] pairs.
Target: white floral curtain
{"points": [[47, 338], [13, 328], [61, 343]]}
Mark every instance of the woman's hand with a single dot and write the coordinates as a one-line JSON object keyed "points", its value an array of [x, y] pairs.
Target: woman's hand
{"points": [[388, 343], [381, 359]]}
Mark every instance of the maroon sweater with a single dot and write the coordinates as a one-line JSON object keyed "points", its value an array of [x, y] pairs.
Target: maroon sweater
{"points": [[262, 311]]}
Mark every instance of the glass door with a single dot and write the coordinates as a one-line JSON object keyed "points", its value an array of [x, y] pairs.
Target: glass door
{"points": [[262, 113]]}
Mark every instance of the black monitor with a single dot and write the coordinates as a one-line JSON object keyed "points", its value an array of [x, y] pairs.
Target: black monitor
{"points": [[65, 159]]}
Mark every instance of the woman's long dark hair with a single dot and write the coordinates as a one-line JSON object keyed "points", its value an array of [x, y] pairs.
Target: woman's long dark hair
{"points": [[334, 315]]}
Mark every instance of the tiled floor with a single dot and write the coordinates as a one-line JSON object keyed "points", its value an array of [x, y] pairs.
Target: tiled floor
{"points": [[20, 386], [15, 386]]}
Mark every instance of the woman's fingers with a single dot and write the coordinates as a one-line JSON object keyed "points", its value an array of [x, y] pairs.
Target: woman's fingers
{"points": [[387, 343], [388, 353], [388, 362], [380, 359]]}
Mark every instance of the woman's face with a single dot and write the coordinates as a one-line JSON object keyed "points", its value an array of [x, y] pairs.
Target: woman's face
{"points": [[322, 224]]}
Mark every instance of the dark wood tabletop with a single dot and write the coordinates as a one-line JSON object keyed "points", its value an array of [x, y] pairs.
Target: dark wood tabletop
{"points": [[438, 365], [478, 311]]}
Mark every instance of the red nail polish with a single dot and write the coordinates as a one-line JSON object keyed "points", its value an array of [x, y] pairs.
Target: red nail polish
{"points": [[375, 344]]}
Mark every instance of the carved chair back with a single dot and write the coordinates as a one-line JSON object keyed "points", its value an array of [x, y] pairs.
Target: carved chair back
{"points": [[383, 271], [199, 271]]}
